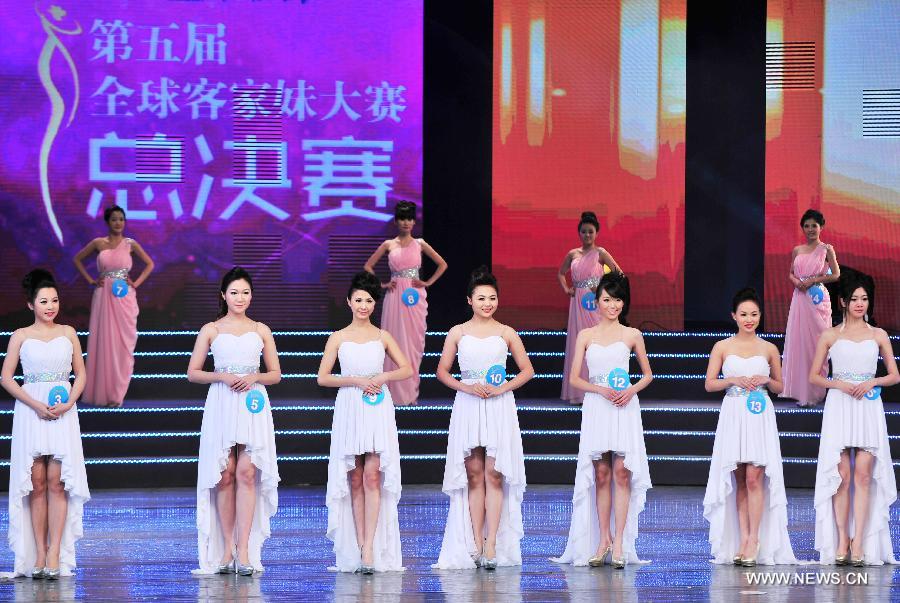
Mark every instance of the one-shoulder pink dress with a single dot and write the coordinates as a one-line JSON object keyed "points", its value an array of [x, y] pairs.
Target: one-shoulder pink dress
{"points": [[113, 325], [808, 317], [586, 273], [403, 315]]}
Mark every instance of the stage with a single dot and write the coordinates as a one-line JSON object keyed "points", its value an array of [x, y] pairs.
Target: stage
{"points": [[141, 544]]}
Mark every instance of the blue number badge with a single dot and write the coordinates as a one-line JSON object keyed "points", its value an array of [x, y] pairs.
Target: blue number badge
{"points": [[816, 294], [495, 375], [618, 379], [58, 395], [756, 402], [410, 296], [255, 401], [120, 287], [374, 399], [589, 301], [874, 393]]}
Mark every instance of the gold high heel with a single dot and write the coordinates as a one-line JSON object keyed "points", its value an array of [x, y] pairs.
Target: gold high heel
{"points": [[843, 559], [856, 561], [600, 560], [618, 563], [750, 561]]}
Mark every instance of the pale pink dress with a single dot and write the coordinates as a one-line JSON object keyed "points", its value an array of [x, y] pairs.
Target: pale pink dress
{"points": [[805, 323], [586, 273], [113, 326], [406, 323]]}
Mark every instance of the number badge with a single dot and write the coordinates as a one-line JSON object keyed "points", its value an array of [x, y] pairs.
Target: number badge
{"points": [[410, 296], [589, 301], [816, 294], [374, 399], [495, 375], [58, 395], [874, 393], [756, 403], [120, 287], [255, 401], [618, 379]]}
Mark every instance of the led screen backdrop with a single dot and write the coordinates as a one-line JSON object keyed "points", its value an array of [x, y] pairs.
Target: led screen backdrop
{"points": [[275, 134], [833, 141], [589, 114]]}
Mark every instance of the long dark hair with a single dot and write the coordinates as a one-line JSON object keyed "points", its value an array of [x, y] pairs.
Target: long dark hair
{"points": [[36, 280], [235, 274], [616, 285]]}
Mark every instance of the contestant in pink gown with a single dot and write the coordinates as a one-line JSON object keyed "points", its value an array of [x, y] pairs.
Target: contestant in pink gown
{"points": [[113, 323], [813, 265], [405, 305], [586, 264]]}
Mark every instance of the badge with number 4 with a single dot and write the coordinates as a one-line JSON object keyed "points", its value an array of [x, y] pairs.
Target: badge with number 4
{"points": [[874, 393], [120, 287], [374, 399], [255, 401], [816, 294], [495, 375], [589, 301], [756, 403], [410, 296], [58, 395], [618, 379]]}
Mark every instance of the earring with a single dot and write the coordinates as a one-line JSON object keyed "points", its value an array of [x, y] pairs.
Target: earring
{"points": [[866, 317]]}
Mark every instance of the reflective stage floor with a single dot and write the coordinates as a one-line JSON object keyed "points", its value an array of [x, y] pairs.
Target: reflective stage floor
{"points": [[141, 545]]}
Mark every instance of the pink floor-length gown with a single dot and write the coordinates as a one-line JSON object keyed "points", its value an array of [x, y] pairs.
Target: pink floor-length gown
{"points": [[406, 323], [113, 331], [586, 273], [806, 321]]}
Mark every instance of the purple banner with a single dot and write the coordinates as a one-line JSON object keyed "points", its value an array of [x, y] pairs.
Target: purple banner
{"points": [[232, 131]]}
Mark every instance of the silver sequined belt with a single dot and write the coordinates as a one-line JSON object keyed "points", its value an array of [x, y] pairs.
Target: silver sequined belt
{"points": [[600, 379], [46, 377], [589, 283], [412, 273], [858, 377], [366, 376], [473, 374], [121, 273], [236, 369], [734, 390]]}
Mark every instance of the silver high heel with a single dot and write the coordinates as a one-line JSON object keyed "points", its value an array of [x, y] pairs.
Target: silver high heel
{"points": [[244, 570], [51, 574], [227, 568], [489, 564], [37, 573]]}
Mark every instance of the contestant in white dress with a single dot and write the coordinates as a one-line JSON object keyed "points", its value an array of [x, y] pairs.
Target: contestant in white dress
{"points": [[237, 472], [364, 461], [47, 480], [485, 471], [745, 501], [612, 470], [855, 485]]}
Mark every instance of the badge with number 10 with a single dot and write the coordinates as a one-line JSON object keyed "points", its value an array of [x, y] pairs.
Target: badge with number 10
{"points": [[495, 375]]}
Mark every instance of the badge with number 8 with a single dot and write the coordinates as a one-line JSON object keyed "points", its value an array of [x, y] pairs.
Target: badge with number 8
{"points": [[495, 375], [255, 401], [816, 294], [120, 287], [618, 379], [410, 296], [374, 399], [874, 393], [589, 301], [756, 402], [58, 395]]}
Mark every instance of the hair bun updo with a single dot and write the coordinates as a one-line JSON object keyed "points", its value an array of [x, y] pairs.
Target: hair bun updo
{"points": [[482, 276], [365, 281], [36, 280], [589, 217]]}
